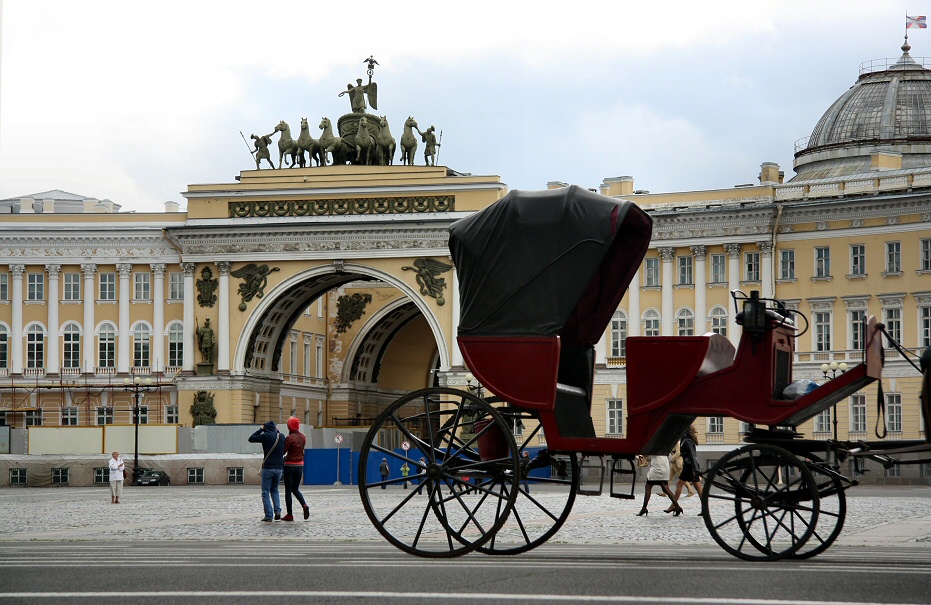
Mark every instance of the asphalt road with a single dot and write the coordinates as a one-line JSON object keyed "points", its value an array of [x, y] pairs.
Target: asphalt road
{"points": [[334, 572]]}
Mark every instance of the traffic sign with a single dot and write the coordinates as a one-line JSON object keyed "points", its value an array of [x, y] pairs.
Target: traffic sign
{"points": [[405, 445], [339, 438]]}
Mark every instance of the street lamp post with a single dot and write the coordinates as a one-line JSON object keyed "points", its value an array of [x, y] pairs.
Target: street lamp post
{"points": [[137, 386]]}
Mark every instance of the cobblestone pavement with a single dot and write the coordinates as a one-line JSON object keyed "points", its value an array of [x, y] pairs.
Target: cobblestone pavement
{"points": [[889, 516]]}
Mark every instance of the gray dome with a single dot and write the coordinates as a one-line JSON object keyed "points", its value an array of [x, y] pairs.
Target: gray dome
{"points": [[888, 109]]}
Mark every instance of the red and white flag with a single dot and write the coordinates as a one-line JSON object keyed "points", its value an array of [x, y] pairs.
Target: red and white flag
{"points": [[918, 22]]}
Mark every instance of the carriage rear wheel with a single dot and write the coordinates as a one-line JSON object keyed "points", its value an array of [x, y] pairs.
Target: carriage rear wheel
{"points": [[461, 492], [832, 509], [760, 503], [544, 497]]}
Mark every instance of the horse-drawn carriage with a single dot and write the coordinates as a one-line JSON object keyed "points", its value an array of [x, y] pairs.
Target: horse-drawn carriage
{"points": [[541, 275]]}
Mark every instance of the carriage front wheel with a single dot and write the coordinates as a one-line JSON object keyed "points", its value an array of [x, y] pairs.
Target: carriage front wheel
{"points": [[760, 503], [462, 478]]}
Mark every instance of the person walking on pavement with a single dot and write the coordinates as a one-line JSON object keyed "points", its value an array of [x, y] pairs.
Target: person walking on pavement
{"points": [[691, 468], [385, 471], [272, 467], [116, 478], [294, 446], [524, 462], [405, 471], [658, 475], [675, 469]]}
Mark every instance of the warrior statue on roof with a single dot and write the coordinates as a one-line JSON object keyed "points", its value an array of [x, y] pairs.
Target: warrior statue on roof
{"points": [[358, 92]]}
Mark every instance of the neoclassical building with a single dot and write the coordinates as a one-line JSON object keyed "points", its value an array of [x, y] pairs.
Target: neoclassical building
{"points": [[329, 291]]}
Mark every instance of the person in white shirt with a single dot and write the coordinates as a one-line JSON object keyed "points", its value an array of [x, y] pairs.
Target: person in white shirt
{"points": [[116, 478]]}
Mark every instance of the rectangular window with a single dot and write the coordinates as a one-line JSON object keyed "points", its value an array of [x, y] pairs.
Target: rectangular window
{"points": [[4, 286], [292, 353], [3, 419], [234, 474], [33, 417], [69, 416], [894, 412], [104, 415], [857, 329], [195, 475], [719, 322], [60, 476], [651, 272], [108, 286], [924, 264], [4, 348], [716, 424], [101, 475], [752, 263], [71, 349], [822, 325], [858, 413], [787, 264], [17, 476], [651, 325], [106, 349], [35, 349], [615, 417], [143, 414], [924, 327], [822, 262], [858, 259], [925, 470], [36, 286], [893, 471], [176, 285], [893, 257], [142, 286], [685, 270], [319, 358], [72, 285], [823, 421], [892, 317], [175, 348], [141, 349], [307, 355], [718, 269], [618, 336], [171, 414]]}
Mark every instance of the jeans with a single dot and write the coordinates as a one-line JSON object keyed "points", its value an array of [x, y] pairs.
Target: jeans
{"points": [[293, 475], [271, 499]]}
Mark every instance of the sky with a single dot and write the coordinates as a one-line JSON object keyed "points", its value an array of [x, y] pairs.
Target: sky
{"points": [[134, 101]]}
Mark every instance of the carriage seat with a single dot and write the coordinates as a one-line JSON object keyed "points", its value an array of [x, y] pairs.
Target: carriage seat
{"points": [[572, 412], [720, 354]]}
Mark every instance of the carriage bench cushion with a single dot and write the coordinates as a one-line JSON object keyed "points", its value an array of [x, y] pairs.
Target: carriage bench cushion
{"points": [[573, 413]]}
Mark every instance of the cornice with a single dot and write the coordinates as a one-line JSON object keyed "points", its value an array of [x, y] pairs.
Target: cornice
{"points": [[73, 247], [693, 225]]}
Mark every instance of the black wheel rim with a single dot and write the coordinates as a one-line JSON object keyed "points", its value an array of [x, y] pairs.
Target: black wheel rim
{"points": [[832, 510], [441, 514], [760, 503]]}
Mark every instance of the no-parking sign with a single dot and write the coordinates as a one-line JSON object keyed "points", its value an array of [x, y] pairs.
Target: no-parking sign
{"points": [[405, 445], [339, 438]]}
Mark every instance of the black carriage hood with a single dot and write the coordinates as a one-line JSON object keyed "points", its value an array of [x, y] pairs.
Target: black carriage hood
{"points": [[546, 263]]}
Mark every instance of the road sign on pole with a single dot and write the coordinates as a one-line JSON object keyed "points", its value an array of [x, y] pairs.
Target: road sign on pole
{"points": [[405, 445], [339, 439]]}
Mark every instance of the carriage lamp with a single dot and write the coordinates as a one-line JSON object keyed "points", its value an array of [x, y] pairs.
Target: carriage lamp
{"points": [[833, 368], [137, 386]]}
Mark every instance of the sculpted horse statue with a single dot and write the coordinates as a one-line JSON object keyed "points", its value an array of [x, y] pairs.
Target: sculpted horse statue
{"points": [[365, 143], [330, 144], [310, 145], [386, 143], [287, 145], [408, 142]]}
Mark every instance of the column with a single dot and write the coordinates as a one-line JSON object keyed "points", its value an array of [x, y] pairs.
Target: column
{"points": [[52, 360], [90, 363], [633, 306], [766, 268], [667, 254], [188, 346], [158, 316], [701, 289], [733, 283], [16, 344], [223, 329], [457, 360], [123, 339]]}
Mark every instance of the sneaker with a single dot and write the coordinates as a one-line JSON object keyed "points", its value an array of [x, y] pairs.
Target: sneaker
{"points": [[306, 512], [266, 520], [288, 518], [277, 516]]}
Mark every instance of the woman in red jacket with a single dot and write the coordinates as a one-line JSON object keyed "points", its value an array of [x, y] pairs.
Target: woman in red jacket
{"points": [[294, 467]]}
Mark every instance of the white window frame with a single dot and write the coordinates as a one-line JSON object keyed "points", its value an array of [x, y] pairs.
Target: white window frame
{"points": [[857, 329], [71, 284], [822, 261], [822, 421], [858, 413], [651, 323], [69, 415], [892, 319], [171, 414], [787, 264], [715, 425], [176, 285], [617, 345], [857, 259], [71, 346], [106, 346], [142, 345], [822, 333], [893, 257], [614, 417], [893, 409], [685, 323], [752, 266], [718, 269], [35, 290], [107, 289], [651, 272], [718, 318], [924, 255], [142, 286], [686, 266]]}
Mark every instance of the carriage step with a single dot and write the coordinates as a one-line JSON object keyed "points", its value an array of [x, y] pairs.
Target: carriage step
{"points": [[618, 470], [591, 465]]}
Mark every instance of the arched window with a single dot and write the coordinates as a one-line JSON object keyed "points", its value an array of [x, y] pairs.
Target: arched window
{"points": [[685, 323], [175, 345], [106, 346], [719, 321], [71, 349], [651, 323], [142, 341], [35, 347], [618, 343]]}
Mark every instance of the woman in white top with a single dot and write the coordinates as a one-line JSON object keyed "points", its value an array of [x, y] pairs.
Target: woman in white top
{"points": [[116, 478], [658, 475]]}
